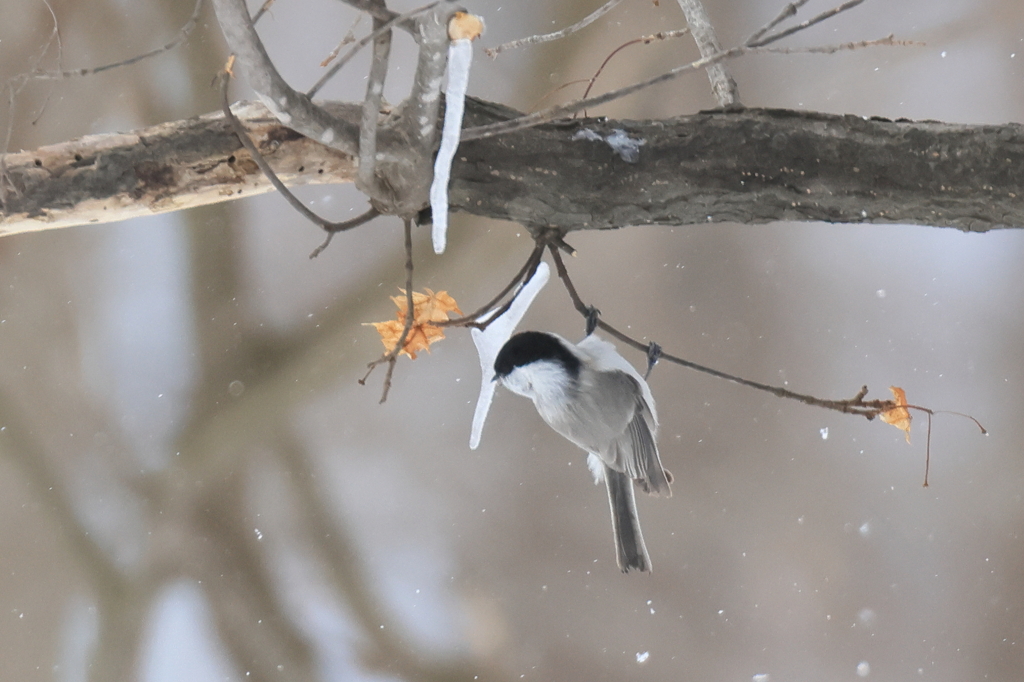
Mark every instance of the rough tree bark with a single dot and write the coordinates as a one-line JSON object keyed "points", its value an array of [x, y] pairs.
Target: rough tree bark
{"points": [[745, 166]]}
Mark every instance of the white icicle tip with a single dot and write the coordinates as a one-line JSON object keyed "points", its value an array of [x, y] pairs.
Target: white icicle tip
{"points": [[489, 342]]}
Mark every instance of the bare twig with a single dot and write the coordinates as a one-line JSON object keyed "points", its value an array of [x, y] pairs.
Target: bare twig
{"points": [[524, 275], [17, 83], [787, 12], [391, 357], [347, 39], [292, 108], [928, 438], [806, 24], [856, 405], [378, 10], [379, 29], [547, 37], [722, 84], [366, 178], [183, 33], [328, 226], [928, 450], [263, 10], [54, 38], [335, 228], [552, 113], [13, 87], [556, 89], [646, 40], [832, 49]]}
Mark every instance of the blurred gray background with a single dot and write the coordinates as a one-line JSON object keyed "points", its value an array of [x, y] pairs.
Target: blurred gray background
{"points": [[193, 486]]}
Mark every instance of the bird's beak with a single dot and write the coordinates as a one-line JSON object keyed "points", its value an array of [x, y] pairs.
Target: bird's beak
{"points": [[495, 378]]}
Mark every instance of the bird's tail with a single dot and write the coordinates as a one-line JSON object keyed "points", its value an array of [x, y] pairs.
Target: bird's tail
{"points": [[631, 552]]}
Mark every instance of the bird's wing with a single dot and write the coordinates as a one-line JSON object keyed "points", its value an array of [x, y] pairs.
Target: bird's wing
{"points": [[596, 414], [611, 417], [644, 463]]}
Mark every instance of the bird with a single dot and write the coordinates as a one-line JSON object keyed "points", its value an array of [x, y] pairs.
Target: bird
{"points": [[591, 395]]}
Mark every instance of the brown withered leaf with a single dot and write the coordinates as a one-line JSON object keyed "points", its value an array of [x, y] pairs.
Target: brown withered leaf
{"points": [[427, 307], [898, 416]]}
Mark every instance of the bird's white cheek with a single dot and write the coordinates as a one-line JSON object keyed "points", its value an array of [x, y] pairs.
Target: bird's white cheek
{"points": [[519, 384]]}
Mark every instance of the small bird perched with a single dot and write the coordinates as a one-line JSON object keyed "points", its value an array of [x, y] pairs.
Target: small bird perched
{"points": [[591, 395]]}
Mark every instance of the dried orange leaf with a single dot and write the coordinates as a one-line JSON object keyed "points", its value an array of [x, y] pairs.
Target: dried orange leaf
{"points": [[898, 416], [427, 307]]}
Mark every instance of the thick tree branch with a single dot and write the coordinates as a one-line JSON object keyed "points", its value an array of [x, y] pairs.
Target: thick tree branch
{"points": [[169, 167], [292, 107], [748, 166]]}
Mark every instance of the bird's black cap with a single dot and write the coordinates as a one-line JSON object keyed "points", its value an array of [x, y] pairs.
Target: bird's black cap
{"points": [[527, 347]]}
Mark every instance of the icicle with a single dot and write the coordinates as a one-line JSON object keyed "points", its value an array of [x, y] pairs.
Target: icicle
{"points": [[489, 342], [462, 29]]}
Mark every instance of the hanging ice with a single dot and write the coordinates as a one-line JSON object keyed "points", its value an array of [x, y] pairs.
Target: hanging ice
{"points": [[489, 341], [460, 57]]}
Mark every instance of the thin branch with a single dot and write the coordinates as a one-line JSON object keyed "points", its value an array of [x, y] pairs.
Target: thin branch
{"points": [[182, 34], [292, 108], [335, 228], [54, 38], [788, 11], [547, 37], [856, 405], [379, 29], [14, 86], [525, 274], [391, 357], [928, 450], [371, 111], [928, 438], [347, 39], [552, 113], [722, 84], [378, 10], [806, 24], [243, 136], [263, 10], [555, 90], [888, 41], [646, 40]]}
